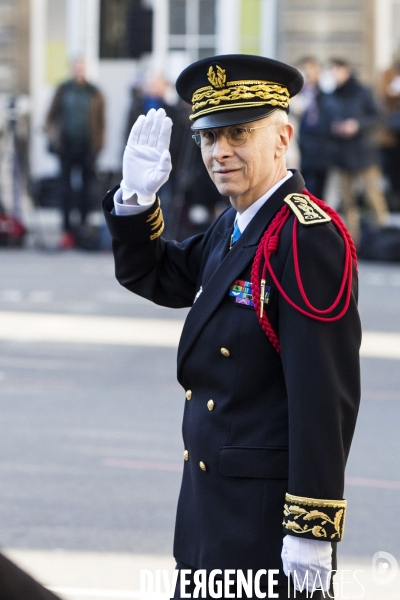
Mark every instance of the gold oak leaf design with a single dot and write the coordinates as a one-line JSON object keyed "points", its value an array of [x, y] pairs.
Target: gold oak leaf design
{"points": [[292, 526], [316, 514], [297, 510], [338, 518], [336, 523], [157, 233], [318, 531], [157, 222], [217, 79]]}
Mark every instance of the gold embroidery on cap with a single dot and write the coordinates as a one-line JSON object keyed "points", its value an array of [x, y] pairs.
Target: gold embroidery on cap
{"points": [[217, 79], [268, 92]]}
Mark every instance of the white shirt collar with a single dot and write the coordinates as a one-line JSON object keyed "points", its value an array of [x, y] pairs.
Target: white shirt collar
{"points": [[244, 219]]}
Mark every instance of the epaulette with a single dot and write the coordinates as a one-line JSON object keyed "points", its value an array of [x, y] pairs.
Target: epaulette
{"points": [[307, 212]]}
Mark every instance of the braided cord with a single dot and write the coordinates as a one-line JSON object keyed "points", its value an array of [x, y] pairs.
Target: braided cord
{"points": [[269, 244]]}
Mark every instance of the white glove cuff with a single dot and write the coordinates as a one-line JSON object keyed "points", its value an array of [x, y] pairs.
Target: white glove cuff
{"points": [[146, 201], [128, 197]]}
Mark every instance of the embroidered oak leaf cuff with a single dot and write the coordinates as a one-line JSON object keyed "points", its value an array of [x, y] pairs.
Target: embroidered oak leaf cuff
{"points": [[315, 519], [141, 228], [156, 221]]}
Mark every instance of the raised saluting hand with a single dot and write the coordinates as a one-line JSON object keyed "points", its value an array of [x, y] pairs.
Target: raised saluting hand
{"points": [[147, 161]]}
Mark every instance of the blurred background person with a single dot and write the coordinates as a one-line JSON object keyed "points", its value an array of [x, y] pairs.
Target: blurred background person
{"points": [[312, 130], [153, 91], [353, 116], [390, 136], [75, 132]]}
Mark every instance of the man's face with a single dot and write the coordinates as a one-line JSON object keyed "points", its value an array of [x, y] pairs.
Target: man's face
{"points": [[311, 71], [340, 74], [79, 70], [245, 173]]}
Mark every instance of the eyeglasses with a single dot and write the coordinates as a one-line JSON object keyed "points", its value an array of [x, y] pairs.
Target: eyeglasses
{"points": [[236, 136]]}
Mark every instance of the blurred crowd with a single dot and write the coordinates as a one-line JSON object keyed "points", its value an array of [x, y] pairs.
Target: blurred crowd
{"points": [[343, 128], [346, 133]]}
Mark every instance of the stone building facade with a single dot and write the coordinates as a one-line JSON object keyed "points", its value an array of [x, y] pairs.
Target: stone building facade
{"points": [[38, 37], [14, 46], [329, 28]]}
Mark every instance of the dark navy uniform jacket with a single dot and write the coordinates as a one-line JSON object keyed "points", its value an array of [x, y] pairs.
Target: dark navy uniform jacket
{"points": [[276, 425]]}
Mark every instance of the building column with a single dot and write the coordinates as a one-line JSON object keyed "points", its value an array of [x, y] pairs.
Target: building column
{"points": [[38, 35], [160, 34], [268, 29], [83, 30], [228, 26], [92, 40], [383, 34], [250, 25]]}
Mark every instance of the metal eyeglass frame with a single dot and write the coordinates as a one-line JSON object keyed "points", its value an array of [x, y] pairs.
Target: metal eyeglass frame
{"points": [[196, 135]]}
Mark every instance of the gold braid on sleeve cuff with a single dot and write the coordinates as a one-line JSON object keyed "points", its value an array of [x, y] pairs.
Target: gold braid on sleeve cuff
{"points": [[313, 518], [156, 222]]}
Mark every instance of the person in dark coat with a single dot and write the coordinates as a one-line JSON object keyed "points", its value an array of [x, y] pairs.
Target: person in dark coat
{"points": [[390, 133], [353, 117], [75, 129], [271, 385], [313, 134]]}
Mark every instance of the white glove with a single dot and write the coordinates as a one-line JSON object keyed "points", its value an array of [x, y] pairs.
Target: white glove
{"points": [[147, 162], [302, 555]]}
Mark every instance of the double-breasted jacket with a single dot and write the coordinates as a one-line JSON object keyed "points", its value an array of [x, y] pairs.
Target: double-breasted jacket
{"points": [[266, 437]]}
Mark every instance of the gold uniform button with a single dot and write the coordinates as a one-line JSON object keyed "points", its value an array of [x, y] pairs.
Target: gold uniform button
{"points": [[210, 405], [202, 466], [189, 395], [186, 455], [225, 352]]}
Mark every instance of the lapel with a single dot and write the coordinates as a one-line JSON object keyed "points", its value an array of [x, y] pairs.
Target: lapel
{"points": [[220, 250], [228, 265]]}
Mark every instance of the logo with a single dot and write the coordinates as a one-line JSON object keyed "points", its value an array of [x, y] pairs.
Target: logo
{"points": [[384, 568]]}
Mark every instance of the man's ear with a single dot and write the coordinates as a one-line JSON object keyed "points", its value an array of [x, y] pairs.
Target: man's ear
{"points": [[285, 133]]}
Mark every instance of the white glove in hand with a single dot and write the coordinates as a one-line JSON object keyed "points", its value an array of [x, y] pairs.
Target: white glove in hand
{"points": [[147, 162], [301, 555]]}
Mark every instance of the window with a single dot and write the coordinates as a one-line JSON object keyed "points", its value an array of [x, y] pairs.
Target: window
{"points": [[177, 17], [125, 29], [192, 27]]}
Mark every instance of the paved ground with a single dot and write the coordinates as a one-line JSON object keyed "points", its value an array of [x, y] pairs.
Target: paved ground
{"points": [[90, 448]]}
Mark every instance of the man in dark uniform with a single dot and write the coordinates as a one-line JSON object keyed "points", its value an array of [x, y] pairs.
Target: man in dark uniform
{"points": [[271, 376]]}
